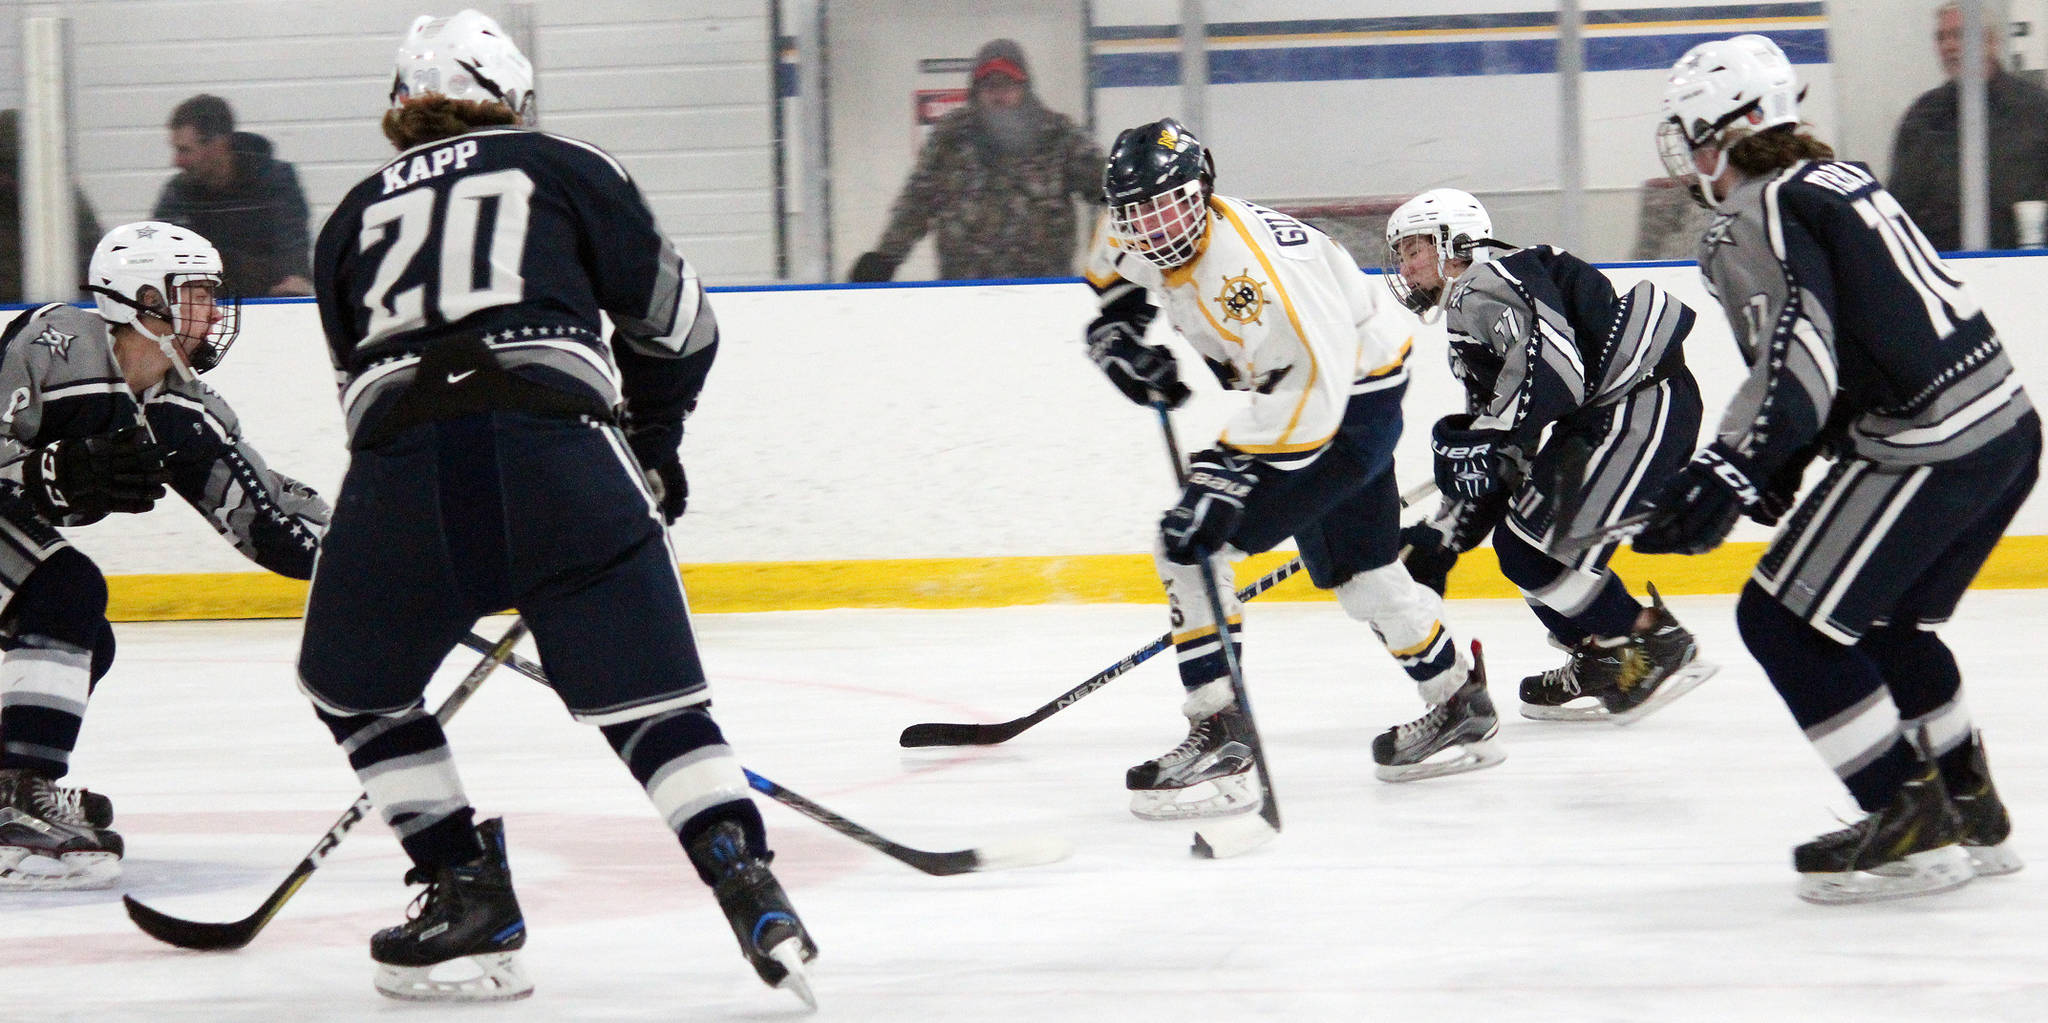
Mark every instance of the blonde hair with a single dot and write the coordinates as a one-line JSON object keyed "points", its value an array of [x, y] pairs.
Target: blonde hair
{"points": [[434, 117]]}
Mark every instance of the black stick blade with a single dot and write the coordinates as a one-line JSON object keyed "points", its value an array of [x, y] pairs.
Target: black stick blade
{"points": [[940, 733], [193, 934]]}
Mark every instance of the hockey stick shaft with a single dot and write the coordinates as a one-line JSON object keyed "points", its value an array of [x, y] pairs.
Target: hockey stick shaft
{"points": [[222, 936], [992, 857]]}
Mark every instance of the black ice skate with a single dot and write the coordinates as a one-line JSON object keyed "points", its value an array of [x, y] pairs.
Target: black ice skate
{"points": [[1208, 775], [1985, 822], [463, 940], [1620, 680], [46, 841], [770, 935], [1908, 848], [1454, 737]]}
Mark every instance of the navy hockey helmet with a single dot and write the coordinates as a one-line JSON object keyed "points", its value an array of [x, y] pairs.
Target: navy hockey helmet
{"points": [[1157, 186]]}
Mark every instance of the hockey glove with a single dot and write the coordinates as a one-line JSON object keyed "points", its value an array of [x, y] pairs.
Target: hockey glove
{"points": [[671, 489], [1469, 463], [872, 268], [1145, 373], [1427, 555], [1695, 511], [1211, 505], [84, 479]]}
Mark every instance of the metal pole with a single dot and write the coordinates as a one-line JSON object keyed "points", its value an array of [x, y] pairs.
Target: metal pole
{"points": [[1571, 153], [1194, 66], [811, 258], [49, 222], [524, 23], [1973, 162]]}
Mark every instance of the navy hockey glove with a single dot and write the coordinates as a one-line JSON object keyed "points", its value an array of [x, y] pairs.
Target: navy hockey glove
{"points": [[1145, 373], [1426, 553], [1695, 511], [872, 268], [1211, 505], [84, 479], [1469, 463]]}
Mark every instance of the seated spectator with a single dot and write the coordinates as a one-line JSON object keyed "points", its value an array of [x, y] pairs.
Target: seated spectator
{"points": [[995, 183], [246, 201], [11, 241], [1925, 175]]}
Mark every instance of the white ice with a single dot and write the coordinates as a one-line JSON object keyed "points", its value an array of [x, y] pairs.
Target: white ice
{"points": [[1599, 874]]}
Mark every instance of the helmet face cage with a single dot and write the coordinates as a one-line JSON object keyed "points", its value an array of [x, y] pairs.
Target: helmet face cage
{"points": [[1167, 228], [1719, 92], [1454, 222], [195, 296]]}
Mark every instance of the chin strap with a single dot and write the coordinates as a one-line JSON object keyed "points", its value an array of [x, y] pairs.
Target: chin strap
{"points": [[1707, 180]]}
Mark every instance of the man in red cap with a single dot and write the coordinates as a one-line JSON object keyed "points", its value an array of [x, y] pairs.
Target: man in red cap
{"points": [[995, 183]]}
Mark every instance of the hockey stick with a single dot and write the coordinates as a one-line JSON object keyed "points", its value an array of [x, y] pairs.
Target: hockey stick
{"points": [[949, 733], [1620, 529], [212, 937], [994, 856], [1231, 836]]}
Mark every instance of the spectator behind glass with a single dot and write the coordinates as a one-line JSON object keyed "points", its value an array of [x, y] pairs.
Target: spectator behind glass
{"points": [[994, 184], [1924, 161], [11, 241], [247, 202]]}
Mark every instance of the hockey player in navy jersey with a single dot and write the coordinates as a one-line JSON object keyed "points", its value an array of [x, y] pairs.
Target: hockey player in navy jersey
{"points": [[1864, 348], [505, 454], [1282, 313], [103, 410], [1578, 401]]}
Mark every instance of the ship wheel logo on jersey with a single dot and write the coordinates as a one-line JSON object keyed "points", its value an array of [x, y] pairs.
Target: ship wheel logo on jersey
{"points": [[1243, 298]]}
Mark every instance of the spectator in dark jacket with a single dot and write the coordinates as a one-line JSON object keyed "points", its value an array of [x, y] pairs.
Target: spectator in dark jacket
{"points": [[1925, 174], [995, 183], [11, 241], [247, 202]]}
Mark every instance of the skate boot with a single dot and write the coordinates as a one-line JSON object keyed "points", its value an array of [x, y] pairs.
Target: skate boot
{"points": [[770, 935], [1209, 774], [1463, 726], [1621, 680], [466, 927], [1985, 823], [46, 843], [1908, 848]]}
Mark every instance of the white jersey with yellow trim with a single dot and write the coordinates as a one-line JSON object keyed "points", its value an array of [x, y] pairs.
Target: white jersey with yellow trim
{"points": [[1279, 310]]}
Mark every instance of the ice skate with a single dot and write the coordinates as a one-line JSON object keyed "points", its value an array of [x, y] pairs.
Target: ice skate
{"points": [[46, 842], [1454, 737], [1620, 680], [1209, 774], [1985, 822], [770, 935], [1908, 848], [463, 940]]}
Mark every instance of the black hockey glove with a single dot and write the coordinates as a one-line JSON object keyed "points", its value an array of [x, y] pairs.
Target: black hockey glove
{"points": [[1211, 505], [1469, 463], [1426, 553], [671, 489], [1145, 373], [872, 268], [1695, 511], [84, 479]]}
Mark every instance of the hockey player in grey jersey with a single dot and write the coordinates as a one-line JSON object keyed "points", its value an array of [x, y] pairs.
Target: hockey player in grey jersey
{"points": [[1864, 347], [1578, 401], [102, 411]]}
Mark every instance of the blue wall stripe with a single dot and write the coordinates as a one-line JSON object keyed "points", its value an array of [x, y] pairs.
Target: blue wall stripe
{"points": [[1226, 30], [1428, 60]]}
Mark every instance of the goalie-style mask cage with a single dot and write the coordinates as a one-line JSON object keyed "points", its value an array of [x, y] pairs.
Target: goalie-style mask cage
{"points": [[156, 270], [1157, 186], [1455, 223], [1717, 93], [465, 56]]}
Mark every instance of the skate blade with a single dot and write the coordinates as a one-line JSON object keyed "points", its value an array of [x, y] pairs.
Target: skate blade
{"points": [[22, 870], [493, 977], [1584, 708], [789, 954], [1926, 873], [1233, 836], [1228, 796], [1472, 756], [1677, 684], [1993, 860]]}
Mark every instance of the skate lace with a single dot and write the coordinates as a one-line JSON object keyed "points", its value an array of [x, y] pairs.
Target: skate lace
{"points": [[1425, 725], [58, 801], [1565, 677], [1198, 737]]}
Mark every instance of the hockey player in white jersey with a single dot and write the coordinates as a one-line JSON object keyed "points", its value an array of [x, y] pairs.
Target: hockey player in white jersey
{"points": [[1578, 403], [1281, 312], [103, 411]]}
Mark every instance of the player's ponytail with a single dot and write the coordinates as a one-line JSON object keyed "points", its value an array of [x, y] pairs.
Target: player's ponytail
{"points": [[1777, 148], [433, 117]]}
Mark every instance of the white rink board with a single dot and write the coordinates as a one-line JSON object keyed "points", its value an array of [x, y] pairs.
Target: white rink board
{"points": [[920, 421]]}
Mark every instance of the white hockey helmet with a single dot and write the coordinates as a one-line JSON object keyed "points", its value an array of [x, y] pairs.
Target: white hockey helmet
{"points": [[151, 267], [464, 56], [1458, 225], [1719, 92]]}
